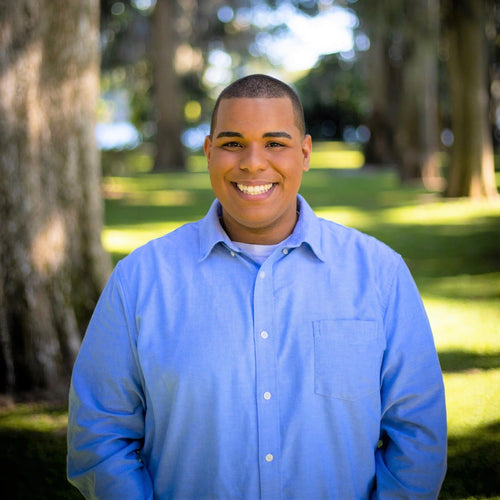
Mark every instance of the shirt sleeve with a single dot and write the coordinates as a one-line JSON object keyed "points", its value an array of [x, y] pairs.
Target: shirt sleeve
{"points": [[411, 459], [106, 406]]}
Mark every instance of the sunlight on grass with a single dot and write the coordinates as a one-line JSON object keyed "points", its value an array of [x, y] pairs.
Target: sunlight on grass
{"points": [[324, 155], [163, 198], [127, 238], [442, 212], [196, 163], [40, 418], [473, 400], [337, 159], [330, 154], [464, 324], [347, 216], [483, 286], [154, 182]]}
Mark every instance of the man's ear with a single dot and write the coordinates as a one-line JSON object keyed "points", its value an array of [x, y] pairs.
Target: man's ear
{"points": [[306, 151], [207, 147]]}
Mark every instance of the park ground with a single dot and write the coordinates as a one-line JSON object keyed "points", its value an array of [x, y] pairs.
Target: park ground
{"points": [[451, 246]]}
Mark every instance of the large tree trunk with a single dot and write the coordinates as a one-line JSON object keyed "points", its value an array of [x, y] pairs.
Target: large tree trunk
{"points": [[167, 88], [52, 264], [383, 87], [471, 171], [417, 133]]}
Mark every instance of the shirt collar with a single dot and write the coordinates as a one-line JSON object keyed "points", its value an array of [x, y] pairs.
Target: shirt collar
{"points": [[307, 231]]}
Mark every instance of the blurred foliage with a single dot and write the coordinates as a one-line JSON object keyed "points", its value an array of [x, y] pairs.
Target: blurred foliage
{"points": [[334, 97], [338, 98], [334, 88], [127, 57], [342, 93]]}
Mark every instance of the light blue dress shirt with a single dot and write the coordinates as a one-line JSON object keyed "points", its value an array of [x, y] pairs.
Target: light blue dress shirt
{"points": [[206, 376]]}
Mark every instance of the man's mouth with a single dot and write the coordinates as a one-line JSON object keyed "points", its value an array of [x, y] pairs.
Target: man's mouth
{"points": [[254, 190]]}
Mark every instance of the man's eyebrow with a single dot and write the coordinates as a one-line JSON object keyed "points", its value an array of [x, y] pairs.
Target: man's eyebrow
{"points": [[277, 134], [228, 133]]}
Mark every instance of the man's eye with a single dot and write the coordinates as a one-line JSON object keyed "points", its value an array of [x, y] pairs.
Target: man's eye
{"points": [[275, 145], [232, 145]]}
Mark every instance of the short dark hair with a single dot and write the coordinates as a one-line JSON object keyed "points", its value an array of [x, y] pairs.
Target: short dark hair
{"points": [[259, 85]]}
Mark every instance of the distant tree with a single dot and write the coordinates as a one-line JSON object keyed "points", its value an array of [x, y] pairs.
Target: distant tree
{"points": [[403, 81], [417, 127], [471, 171], [383, 75], [52, 264], [164, 52], [167, 88], [333, 94]]}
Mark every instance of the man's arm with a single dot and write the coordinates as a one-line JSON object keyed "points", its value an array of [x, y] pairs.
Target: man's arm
{"points": [[411, 461], [106, 406]]}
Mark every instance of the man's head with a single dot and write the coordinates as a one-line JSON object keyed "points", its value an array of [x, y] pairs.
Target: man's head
{"points": [[258, 85], [257, 152]]}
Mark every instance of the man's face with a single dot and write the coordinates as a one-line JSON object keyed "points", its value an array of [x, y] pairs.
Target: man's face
{"points": [[256, 158]]}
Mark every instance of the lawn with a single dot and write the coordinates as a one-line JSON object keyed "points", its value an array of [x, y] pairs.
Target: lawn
{"points": [[451, 246]]}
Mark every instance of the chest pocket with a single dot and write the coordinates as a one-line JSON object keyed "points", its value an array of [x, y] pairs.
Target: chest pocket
{"points": [[347, 358]]}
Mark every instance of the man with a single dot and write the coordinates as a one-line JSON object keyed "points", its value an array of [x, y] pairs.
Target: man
{"points": [[260, 353]]}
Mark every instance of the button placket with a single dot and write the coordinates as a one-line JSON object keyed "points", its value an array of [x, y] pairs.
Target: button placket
{"points": [[266, 375]]}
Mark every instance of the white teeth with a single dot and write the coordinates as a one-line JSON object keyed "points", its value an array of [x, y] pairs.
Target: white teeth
{"points": [[254, 190]]}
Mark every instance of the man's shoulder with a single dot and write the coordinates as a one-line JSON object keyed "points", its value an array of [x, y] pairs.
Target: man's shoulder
{"points": [[354, 242], [183, 240]]}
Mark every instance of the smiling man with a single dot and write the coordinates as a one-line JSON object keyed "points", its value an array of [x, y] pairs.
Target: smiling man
{"points": [[257, 153], [262, 352]]}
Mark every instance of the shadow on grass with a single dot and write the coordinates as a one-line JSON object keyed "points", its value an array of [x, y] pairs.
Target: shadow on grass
{"points": [[444, 250], [33, 466], [457, 361], [473, 465], [431, 250], [120, 212], [117, 256]]}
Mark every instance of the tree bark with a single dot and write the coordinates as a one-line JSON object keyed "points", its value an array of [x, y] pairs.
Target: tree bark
{"points": [[168, 99], [52, 264], [384, 95], [417, 131], [471, 172]]}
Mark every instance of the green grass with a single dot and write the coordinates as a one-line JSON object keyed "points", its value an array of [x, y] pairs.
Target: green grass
{"points": [[33, 458], [452, 248]]}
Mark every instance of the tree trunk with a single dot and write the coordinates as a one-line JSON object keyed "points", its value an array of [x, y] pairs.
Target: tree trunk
{"points": [[167, 89], [384, 96], [52, 264], [417, 134], [471, 172]]}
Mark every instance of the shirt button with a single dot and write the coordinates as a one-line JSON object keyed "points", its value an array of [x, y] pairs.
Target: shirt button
{"points": [[264, 334], [232, 254], [267, 396], [262, 274], [269, 457], [285, 251]]}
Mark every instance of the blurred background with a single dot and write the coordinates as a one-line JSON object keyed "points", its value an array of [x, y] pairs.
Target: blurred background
{"points": [[104, 106], [391, 76]]}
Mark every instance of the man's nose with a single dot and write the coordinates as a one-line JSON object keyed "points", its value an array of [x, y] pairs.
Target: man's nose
{"points": [[253, 158]]}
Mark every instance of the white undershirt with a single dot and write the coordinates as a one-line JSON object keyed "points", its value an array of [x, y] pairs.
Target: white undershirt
{"points": [[259, 253]]}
